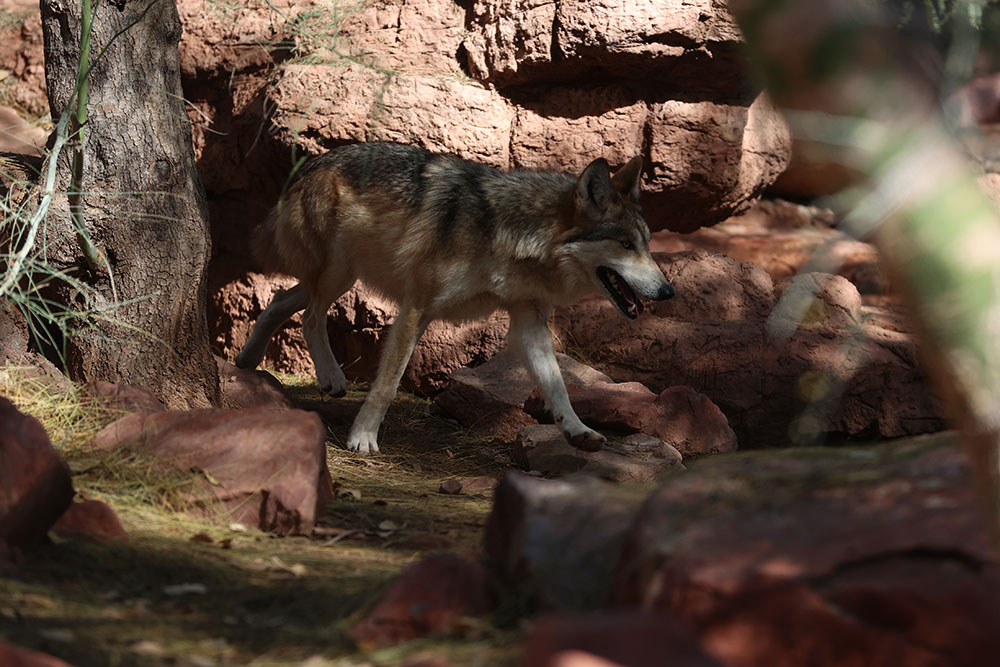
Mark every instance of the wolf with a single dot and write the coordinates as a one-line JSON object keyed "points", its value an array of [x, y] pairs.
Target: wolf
{"points": [[447, 238]]}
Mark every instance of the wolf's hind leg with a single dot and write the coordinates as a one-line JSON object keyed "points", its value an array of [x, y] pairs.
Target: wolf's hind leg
{"points": [[284, 304], [331, 377], [403, 337], [529, 337]]}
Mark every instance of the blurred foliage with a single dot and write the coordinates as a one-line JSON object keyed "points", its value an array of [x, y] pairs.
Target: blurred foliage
{"points": [[943, 22]]}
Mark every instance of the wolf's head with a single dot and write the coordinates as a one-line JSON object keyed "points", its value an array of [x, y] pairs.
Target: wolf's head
{"points": [[609, 239]]}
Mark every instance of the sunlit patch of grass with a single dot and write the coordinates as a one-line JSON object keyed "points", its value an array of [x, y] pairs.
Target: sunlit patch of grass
{"points": [[253, 598], [71, 416]]}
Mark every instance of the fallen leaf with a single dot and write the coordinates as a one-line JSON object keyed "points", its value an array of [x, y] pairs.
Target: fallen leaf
{"points": [[237, 528]]}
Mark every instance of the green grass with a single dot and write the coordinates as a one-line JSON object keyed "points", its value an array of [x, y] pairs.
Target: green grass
{"points": [[259, 599]]}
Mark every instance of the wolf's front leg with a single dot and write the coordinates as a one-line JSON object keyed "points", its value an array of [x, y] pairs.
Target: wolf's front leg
{"points": [[403, 337], [529, 337]]}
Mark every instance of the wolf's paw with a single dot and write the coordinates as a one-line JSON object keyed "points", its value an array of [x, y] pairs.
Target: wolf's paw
{"points": [[588, 441], [335, 390], [245, 360], [363, 443], [335, 385]]}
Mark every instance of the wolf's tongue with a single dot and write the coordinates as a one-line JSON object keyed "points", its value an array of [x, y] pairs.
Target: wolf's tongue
{"points": [[632, 299]]}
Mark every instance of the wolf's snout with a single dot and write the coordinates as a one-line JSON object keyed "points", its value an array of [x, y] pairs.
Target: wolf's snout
{"points": [[664, 293]]}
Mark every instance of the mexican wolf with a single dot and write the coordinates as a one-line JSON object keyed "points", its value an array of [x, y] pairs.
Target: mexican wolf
{"points": [[451, 239]]}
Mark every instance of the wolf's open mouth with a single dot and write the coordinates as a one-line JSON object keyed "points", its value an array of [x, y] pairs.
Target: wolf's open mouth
{"points": [[621, 294]]}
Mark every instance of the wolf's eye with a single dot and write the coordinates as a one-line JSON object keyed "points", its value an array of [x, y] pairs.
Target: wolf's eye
{"points": [[627, 245]]}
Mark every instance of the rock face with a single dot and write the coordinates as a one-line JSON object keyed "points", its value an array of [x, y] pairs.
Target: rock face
{"points": [[264, 467], [16, 352], [879, 558], [844, 370], [35, 485], [783, 239], [513, 84]]}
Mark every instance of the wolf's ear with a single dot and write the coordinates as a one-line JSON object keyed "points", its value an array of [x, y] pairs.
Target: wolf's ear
{"points": [[626, 180], [593, 188]]}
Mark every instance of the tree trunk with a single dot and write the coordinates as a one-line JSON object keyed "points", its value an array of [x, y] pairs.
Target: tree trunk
{"points": [[142, 202]]}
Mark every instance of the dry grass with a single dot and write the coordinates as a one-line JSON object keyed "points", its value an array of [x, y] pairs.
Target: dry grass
{"points": [[254, 599]]}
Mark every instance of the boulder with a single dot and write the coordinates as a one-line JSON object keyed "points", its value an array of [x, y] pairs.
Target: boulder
{"points": [[22, 58], [89, 519], [35, 485], [490, 397], [554, 541], [679, 416], [850, 556], [851, 371], [637, 458], [434, 596], [262, 466]]}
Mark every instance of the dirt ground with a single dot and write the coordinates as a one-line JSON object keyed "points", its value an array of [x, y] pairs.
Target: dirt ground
{"points": [[189, 591]]}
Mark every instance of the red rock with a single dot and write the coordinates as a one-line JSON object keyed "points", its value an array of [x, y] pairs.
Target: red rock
{"points": [[265, 467], [489, 397], [523, 42], [468, 485], [433, 596], [681, 417], [16, 656], [129, 398], [90, 519], [15, 352], [846, 557], [558, 539], [245, 388], [783, 239], [19, 136], [773, 385], [636, 458], [35, 485], [22, 56], [621, 637]]}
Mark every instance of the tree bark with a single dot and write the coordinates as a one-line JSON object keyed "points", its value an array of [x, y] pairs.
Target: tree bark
{"points": [[143, 203]]}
